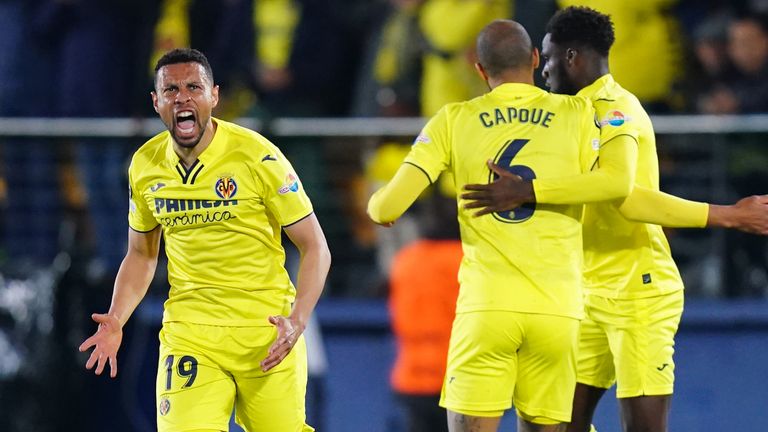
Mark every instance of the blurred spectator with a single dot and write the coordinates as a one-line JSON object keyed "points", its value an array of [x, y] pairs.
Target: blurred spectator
{"points": [[390, 77], [422, 302], [647, 55], [745, 90], [100, 53], [449, 28]]}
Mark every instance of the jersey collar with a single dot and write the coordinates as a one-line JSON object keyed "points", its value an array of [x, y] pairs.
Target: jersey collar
{"points": [[214, 150], [518, 90], [590, 91]]}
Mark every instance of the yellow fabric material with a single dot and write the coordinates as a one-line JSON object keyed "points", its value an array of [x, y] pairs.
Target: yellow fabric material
{"points": [[656, 207], [171, 30], [630, 342], [391, 201], [642, 27], [450, 27], [617, 162], [202, 373], [625, 259], [495, 354], [393, 46], [528, 260], [228, 208], [275, 22]]}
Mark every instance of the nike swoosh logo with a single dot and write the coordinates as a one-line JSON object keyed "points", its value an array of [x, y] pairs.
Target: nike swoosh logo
{"points": [[268, 158], [662, 367]]}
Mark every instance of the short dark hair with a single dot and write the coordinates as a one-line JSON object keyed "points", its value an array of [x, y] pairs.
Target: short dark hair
{"points": [[584, 26], [503, 45], [184, 55]]}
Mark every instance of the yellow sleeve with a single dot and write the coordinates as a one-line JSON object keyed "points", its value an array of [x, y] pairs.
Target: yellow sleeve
{"points": [[392, 200], [656, 207], [283, 192], [611, 178], [140, 217]]}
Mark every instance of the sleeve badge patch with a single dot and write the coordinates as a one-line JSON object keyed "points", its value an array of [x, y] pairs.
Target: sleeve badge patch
{"points": [[615, 118]]}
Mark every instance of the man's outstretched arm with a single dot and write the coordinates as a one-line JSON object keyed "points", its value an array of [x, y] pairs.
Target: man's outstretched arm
{"points": [[612, 180], [394, 198], [645, 205], [133, 279]]}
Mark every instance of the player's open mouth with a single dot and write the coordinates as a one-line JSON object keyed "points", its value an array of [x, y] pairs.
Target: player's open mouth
{"points": [[185, 123]]}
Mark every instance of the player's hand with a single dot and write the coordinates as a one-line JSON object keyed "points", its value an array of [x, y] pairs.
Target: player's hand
{"points": [[106, 341], [288, 332], [508, 192], [753, 214]]}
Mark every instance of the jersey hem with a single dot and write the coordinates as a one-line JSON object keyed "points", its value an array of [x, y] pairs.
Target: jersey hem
{"points": [[142, 231], [422, 170], [299, 219], [614, 296]]}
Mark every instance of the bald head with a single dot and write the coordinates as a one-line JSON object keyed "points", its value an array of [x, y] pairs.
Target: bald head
{"points": [[502, 46]]}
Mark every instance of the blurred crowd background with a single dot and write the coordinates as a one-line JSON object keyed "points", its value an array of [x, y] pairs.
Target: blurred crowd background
{"points": [[63, 201]]}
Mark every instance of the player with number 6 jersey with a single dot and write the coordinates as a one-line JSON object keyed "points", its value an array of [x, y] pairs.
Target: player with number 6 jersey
{"points": [[520, 299]]}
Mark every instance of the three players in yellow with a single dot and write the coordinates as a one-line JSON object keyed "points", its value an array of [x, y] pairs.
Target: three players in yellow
{"points": [[220, 196]]}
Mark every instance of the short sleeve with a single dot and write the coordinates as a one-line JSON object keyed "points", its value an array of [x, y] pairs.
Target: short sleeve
{"points": [[284, 193], [619, 117], [140, 217], [431, 149]]}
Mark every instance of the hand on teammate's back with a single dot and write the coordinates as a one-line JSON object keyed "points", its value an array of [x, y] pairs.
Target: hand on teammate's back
{"points": [[508, 192], [106, 341]]}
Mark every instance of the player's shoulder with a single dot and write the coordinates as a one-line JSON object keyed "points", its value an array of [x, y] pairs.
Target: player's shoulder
{"points": [[246, 141], [152, 151], [570, 102]]}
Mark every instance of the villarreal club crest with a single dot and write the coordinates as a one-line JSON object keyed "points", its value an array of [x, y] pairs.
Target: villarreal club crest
{"points": [[226, 187]]}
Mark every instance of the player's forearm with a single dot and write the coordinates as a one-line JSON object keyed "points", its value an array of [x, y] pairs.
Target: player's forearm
{"points": [[655, 207], [611, 180], [313, 269], [392, 200], [131, 285]]}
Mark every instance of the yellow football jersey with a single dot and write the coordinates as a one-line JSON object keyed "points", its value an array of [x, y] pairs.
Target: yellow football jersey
{"points": [[625, 259], [527, 260], [221, 220]]}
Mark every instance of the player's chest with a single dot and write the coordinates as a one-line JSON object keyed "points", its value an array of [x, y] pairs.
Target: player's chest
{"points": [[200, 194]]}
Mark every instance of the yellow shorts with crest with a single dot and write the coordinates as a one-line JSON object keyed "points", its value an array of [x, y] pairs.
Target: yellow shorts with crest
{"points": [[204, 371]]}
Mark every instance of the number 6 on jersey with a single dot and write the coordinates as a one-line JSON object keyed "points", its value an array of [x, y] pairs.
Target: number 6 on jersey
{"points": [[504, 159]]}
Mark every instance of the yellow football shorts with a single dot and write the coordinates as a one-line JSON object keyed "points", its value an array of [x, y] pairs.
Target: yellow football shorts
{"points": [[497, 358], [630, 342], [204, 371]]}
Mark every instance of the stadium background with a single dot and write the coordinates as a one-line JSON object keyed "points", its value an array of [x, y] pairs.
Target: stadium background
{"points": [[342, 86]]}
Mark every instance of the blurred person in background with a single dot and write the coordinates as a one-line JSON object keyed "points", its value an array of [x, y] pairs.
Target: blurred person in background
{"points": [[449, 28], [221, 221], [391, 73], [423, 287], [636, 61], [745, 88]]}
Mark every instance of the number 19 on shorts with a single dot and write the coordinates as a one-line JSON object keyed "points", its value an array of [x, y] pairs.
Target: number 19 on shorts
{"points": [[186, 369]]}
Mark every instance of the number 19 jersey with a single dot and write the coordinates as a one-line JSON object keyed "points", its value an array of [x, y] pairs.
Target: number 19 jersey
{"points": [[530, 259]]}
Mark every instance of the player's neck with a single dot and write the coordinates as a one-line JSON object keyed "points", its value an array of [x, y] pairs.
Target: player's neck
{"points": [[511, 76], [189, 155], [595, 71]]}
